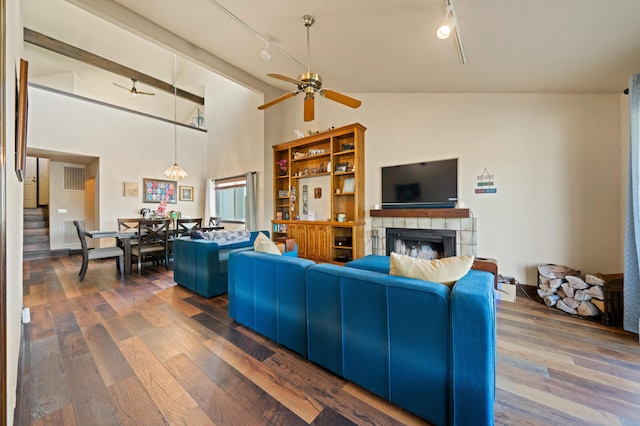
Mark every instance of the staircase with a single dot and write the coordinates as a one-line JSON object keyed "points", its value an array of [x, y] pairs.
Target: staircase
{"points": [[35, 236]]}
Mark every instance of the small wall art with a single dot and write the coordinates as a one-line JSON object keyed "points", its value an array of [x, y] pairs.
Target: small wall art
{"points": [[186, 193], [131, 189], [156, 191]]}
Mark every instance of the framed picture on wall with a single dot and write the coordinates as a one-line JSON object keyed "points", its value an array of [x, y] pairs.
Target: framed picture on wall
{"points": [[186, 193], [155, 191]]}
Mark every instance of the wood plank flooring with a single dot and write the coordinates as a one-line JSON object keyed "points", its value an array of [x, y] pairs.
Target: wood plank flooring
{"points": [[141, 350]]}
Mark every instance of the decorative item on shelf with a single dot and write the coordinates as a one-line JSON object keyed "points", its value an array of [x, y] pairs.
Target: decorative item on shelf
{"points": [[282, 165], [347, 147], [317, 192], [297, 155], [278, 215], [285, 216], [175, 172], [322, 169], [342, 217], [314, 170], [305, 171], [283, 193], [349, 185], [316, 151], [342, 167], [298, 133]]}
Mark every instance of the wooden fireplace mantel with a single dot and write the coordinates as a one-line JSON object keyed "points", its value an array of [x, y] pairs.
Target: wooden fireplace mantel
{"points": [[440, 213]]}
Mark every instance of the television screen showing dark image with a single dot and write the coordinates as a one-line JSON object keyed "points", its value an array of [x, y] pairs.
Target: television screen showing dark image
{"points": [[420, 185]]}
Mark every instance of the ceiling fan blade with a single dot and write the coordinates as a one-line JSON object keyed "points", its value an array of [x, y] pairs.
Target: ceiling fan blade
{"points": [[339, 97], [285, 78], [145, 93], [280, 99], [309, 108], [128, 89]]}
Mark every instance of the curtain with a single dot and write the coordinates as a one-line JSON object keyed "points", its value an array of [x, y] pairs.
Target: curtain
{"points": [[209, 202], [251, 203], [631, 319]]}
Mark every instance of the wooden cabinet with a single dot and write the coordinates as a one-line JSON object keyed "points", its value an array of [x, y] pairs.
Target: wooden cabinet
{"points": [[336, 159]]}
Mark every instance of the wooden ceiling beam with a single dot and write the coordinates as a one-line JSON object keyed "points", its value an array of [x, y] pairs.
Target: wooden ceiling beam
{"points": [[62, 48]]}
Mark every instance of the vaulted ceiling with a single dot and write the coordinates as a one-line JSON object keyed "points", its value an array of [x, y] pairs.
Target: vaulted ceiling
{"points": [[364, 46]]}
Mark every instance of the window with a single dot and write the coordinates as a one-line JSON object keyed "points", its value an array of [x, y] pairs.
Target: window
{"points": [[230, 195]]}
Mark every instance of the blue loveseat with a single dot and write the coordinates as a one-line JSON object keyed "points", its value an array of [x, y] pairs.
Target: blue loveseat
{"points": [[424, 346], [201, 265]]}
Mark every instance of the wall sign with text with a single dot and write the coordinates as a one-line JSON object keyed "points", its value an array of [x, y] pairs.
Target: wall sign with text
{"points": [[485, 183]]}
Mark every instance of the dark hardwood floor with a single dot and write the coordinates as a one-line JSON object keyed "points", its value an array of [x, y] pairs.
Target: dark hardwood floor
{"points": [[140, 350]]}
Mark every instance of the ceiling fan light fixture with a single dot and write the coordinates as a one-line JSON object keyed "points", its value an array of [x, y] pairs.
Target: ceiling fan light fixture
{"points": [[443, 32], [450, 26]]}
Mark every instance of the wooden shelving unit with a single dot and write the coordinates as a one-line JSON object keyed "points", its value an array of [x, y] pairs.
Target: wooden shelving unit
{"points": [[338, 154]]}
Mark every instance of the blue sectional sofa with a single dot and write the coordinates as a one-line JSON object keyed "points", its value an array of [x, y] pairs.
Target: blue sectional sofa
{"points": [[424, 346], [201, 265]]}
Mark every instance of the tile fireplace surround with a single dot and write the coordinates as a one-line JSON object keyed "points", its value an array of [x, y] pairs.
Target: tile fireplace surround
{"points": [[459, 220]]}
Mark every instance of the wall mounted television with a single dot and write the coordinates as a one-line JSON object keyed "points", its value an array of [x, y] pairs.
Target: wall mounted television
{"points": [[431, 184]]}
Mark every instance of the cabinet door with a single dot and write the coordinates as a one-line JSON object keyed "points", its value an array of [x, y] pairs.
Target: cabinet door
{"points": [[299, 234], [323, 243], [312, 242]]}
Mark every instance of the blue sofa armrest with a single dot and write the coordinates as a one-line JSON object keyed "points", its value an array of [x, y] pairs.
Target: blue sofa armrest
{"points": [[473, 334], [267, 293], [202, 265]]}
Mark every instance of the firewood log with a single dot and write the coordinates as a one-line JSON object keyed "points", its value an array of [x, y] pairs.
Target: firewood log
{"points": [[576, 282], [567, 289], [545, 287], [543, 293], [595, 279], [555, 283], [581, 295], [551, 300], [571, 302], [595, 291], [561, 293], [598, 304], [587, 309], [563, 307]]}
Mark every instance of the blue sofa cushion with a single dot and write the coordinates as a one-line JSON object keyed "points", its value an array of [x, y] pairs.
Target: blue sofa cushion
{"points": [[372, 262]]}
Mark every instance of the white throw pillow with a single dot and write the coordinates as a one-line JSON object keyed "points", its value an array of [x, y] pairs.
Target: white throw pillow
{"points": [[446, 270], [264, 245]]}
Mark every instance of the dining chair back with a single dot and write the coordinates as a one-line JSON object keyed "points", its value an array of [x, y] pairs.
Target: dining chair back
{"points": [[125, 225], [214, 221], [184, 226], [96, 253], [153, 239]]}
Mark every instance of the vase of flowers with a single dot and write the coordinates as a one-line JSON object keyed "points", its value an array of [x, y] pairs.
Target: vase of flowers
{"points": [[282, 165]]}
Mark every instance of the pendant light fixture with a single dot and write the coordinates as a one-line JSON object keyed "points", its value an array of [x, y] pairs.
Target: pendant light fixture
{"points": [[175, 172]]}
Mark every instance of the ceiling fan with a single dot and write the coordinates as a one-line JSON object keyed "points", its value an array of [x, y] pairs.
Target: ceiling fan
{"points": [[133, 89], [310, 83]]}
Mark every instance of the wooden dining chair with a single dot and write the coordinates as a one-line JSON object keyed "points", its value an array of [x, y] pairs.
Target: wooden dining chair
{"points": [[184, 226], [152, 242], [96, 253], [214, 221]]}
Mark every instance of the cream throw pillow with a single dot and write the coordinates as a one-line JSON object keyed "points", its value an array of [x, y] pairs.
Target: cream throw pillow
{"points": [[446, 270], [264, 245]]}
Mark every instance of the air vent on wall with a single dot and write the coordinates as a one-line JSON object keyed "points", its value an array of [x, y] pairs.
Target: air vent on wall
{"points": [[74, 178], [69, 233]]}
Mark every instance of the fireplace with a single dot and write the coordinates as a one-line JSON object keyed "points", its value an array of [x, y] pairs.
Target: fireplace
{"points": [[464, 226], [421, 243]]}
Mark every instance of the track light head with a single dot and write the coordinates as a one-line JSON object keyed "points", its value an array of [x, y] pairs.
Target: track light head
{"points": [[264, 53], [444, 31]]}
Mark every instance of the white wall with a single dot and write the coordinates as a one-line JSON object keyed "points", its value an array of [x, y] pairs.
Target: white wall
{"points": [[14, 202], [555, 159], [236, 138], [130, 147]]}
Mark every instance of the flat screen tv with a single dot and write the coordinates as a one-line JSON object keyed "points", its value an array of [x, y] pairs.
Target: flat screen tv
{"points": [[432, 184]]}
